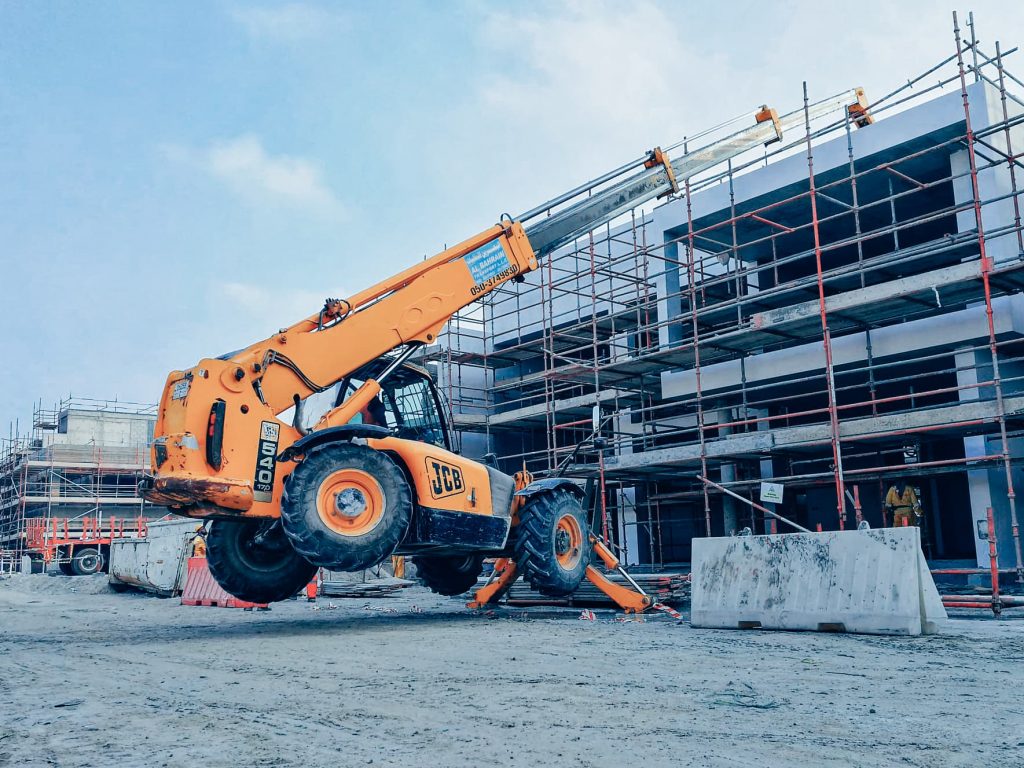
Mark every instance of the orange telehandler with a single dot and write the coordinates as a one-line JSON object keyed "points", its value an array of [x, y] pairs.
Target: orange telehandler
{"points": [[322, 446]]}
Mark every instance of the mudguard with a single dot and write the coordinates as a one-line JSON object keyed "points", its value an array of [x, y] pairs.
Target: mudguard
{"points": [[330, 435], [550, 484]]}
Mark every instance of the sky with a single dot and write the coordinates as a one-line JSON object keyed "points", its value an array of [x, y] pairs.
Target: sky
{"points": [[178, 180]]}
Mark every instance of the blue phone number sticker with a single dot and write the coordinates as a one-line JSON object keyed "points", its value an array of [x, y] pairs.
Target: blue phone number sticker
{"points": [[487, 262]]}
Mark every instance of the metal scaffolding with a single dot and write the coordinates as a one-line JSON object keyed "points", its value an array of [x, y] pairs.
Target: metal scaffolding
{"points": [[668, 331], [54, 490]]}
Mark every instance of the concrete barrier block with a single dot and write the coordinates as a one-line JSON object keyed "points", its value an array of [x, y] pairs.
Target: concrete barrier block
{"points": [[873, 582]]}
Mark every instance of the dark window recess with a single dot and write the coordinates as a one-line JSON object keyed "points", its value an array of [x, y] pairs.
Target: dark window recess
{"points": [[215, 435]]}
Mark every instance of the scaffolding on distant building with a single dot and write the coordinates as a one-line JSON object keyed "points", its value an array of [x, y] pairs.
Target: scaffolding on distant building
{"points": [[857, 322], [75, 476]]}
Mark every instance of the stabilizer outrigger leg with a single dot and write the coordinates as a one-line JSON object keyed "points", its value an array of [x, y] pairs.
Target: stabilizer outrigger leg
{"points": [[631, 599]]}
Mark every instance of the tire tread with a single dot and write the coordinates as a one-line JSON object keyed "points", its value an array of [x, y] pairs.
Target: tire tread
{"points": [[315, 544], [449, 575], [531, 544]]}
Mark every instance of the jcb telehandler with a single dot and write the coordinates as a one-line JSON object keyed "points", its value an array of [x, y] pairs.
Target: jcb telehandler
{"points": [[372, 473]]}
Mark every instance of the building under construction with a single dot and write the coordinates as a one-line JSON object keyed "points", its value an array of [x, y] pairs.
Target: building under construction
{"points": [[74, 480], [837, 310]]}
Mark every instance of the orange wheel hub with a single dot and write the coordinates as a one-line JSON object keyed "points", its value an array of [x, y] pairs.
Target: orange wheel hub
{"points": [[568, 541], [350, 502]]}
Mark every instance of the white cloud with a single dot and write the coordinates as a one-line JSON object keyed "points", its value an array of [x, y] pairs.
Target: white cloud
{"points": [[241, 313], [246, 167], [289, 23], [575, 90], [570, 91], [596, 67], [283, 306]]}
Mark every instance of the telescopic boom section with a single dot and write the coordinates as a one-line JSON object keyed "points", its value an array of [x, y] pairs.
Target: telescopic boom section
{"points": [[412, 307], [588, 206]]}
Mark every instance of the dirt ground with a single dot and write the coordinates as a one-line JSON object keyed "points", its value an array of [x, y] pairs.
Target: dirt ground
{"points": [[90, 678]]}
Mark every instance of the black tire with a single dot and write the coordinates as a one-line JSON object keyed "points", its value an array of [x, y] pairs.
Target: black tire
{"points": [[542, 551], [315, 518], [64, 566], [449, 575], [253, 560], [87, 561]]}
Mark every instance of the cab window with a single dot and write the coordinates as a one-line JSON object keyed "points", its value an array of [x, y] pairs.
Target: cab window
{"points": [[411, 401]]}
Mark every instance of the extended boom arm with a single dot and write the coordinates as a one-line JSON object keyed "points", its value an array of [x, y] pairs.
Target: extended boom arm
{"points": [[412, 307]]}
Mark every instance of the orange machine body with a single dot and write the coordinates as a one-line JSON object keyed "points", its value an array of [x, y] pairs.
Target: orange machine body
{"points": [[236, 404]]}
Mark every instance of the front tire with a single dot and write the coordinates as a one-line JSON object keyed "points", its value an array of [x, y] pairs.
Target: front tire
{"points": [[86, 561], [551, 543], [346, 507], [252, 560], [451, 575]]}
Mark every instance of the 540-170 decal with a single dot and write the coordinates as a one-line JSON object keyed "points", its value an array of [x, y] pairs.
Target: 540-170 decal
{"points": [[266, 461]]}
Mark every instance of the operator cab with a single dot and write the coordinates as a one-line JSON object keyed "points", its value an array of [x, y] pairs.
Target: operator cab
{"points": [[408, 405]]}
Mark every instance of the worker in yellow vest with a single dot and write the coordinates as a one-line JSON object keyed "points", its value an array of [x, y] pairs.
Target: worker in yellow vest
{"points": [[902, 503], [199, 543]]}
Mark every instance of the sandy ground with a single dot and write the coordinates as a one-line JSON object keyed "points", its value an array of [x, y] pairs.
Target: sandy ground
{"points": [[91, 678]]}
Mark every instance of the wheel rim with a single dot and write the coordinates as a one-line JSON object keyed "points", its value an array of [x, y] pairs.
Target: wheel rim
{"points": [[89, 562], [259, 548], [568, 541], [350, 502]]}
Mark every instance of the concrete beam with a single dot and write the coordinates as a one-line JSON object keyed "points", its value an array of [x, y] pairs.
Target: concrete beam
{"points": [[752, 442], [94, 500], [533, 411], [948, 331], [89, 466], [872, 294], [795, 437]]}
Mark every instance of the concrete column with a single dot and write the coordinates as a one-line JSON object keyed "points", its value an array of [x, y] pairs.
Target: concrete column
{"points": [[627, 525], [993, 183], [977, 479], [669, 284], [766, 467], [730, 509]]}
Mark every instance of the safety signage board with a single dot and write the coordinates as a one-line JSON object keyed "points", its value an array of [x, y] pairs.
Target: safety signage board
{"points": [[771, 492]]}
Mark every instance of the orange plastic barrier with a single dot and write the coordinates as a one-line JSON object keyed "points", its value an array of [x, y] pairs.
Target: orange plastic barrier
{"points": [[201, 589]]}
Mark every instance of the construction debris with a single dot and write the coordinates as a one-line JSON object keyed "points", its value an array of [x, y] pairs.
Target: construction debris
{"points": [[665, 588], [375, 588]]}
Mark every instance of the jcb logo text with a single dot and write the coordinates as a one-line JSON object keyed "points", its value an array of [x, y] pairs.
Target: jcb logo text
{"points": [[445, 479]]}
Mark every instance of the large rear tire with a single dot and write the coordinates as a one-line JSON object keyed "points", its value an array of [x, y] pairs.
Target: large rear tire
{"points": [[253, 561], [551, 543], [449, 575], [87, 561], [346, 507]]}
